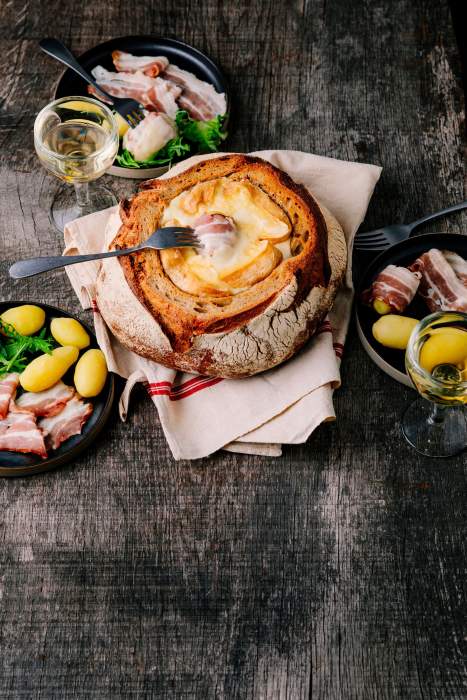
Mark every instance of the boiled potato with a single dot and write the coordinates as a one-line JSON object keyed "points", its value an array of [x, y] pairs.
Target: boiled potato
{"points": [[68, 331], [26, 319], [91, 373], [381, 307], [444, 348], [394, 331], [45, 371]]}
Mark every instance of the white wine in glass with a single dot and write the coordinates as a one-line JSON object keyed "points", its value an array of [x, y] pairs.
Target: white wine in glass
{"points": [[436, 361], [76, 139]]}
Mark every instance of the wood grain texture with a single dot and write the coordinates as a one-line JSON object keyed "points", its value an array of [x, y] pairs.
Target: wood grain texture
{"points": [[335, 572]]}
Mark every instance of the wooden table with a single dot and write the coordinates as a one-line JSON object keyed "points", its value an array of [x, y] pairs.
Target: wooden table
{"points": [[335, 572]]}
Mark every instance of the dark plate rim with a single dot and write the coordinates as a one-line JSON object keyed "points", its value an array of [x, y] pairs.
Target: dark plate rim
{"points": [[52, 463], [177, 43]]}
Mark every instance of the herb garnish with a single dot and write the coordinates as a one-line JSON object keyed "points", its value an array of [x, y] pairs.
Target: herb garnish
{"points": [[15, 348]]}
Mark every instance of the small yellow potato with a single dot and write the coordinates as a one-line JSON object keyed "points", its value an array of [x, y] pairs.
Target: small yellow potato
{"points": [[381, 307], [68, 331], [26, 319], [444, 348], [394, 331], [45, 371], [90, 373]]}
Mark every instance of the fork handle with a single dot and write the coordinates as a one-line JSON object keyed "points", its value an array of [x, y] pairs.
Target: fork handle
{"points": [[35, 266], [437, 215], [55, 48]]}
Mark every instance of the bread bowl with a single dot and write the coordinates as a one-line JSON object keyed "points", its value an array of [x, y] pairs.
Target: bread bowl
{"points": [[245, 314]]}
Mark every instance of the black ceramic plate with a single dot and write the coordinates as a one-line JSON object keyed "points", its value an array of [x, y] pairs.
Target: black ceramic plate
{"points": [[404, 253], [17, 464], [183, 55]]}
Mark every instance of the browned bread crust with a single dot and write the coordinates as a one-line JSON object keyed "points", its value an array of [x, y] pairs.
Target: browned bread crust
{"points": [[182, 316]]}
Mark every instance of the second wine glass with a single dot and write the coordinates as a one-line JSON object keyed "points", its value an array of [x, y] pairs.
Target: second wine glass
{"points": [[436, 361]]}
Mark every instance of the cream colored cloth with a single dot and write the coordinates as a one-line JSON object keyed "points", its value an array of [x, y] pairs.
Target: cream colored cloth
{"points": [[256, 415]]}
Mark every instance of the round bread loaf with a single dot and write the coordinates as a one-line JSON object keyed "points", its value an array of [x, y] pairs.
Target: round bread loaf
{"points": [[245, 311]]}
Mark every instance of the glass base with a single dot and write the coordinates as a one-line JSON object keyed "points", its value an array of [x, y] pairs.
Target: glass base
{"points": [[435, 430], [65, 208]]}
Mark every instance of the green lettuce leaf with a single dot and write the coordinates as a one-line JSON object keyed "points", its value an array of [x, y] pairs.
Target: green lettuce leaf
{"points": [[204, 136], [173, 149]]}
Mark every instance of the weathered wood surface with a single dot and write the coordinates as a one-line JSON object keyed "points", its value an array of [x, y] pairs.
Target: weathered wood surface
{"points": [[335, 572]]}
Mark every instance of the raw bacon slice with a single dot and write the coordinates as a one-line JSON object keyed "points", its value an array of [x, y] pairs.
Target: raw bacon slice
{"points": [[68, 422], [19, 432], [395, 286], [8, 386], [440, 287], [458, 264], [199, 98], [149, 65], [46, 403], [153, 93]]}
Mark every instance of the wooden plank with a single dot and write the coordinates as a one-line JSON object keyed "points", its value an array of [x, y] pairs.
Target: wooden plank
{"points": [[337, 571]]}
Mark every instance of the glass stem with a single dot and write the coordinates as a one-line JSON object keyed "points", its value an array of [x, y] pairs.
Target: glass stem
{"points": [[437, 415], [82, 194]]}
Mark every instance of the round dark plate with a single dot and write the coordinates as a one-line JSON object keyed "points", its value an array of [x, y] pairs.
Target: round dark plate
{"points": [[184, 56], [18, 464], [393, 361]]}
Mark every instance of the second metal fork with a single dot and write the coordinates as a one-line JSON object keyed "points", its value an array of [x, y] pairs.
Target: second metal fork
{"points": [[382, 238], [163, 238]]}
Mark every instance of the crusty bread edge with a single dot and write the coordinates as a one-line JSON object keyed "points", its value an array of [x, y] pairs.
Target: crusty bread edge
{"points": [[212, 354]]}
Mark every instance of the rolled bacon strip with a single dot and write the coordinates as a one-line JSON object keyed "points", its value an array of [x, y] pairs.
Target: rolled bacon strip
{"points": [[394, 286], [440, 286], [214, 231]]}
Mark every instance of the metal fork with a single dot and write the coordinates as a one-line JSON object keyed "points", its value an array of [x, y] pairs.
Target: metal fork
{"points": [[163, 238], [130, 110], [382, 238]]}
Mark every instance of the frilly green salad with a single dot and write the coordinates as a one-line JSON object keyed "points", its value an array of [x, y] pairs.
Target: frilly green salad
{"points": [[184, 115]]}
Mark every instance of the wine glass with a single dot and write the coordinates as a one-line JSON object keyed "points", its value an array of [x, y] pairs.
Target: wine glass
{"points": [[76, 139], [436, 361]]}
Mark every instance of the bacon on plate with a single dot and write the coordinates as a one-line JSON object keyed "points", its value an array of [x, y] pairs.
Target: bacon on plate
{"points": [[395, 286], [46, 403], [199, 98], [8, 386], [458, 264], [68, 422], [149, 65], [19, 432], [440, 286], [155, 94]]}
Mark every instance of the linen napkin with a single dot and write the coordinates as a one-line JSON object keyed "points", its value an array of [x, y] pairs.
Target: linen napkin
{"points": [[256, 415]]}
